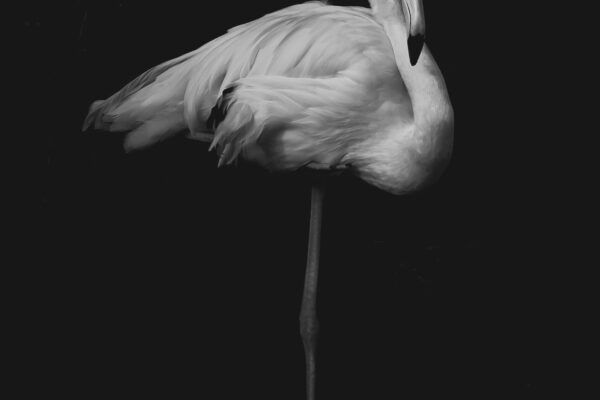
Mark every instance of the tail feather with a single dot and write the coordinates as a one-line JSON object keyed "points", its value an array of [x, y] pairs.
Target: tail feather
{"points": [[149, 108], [92, 114], [159, 128]]}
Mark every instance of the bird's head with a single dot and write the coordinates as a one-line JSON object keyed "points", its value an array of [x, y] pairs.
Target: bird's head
{"points": [[410, 12]]}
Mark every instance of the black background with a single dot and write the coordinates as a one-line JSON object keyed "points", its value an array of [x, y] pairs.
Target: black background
{"points": [[161, 274]]}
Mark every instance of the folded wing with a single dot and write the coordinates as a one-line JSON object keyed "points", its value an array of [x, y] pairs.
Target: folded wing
{"points": [[311, 40]]}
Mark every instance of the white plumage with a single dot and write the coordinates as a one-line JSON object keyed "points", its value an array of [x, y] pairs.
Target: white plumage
{"points": [[310, 85]]}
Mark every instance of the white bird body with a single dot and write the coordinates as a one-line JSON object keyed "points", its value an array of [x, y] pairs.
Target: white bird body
{"points": [[310, 85]]}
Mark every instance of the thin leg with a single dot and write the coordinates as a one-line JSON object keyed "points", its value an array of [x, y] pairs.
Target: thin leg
{"points": [[309, 325]]}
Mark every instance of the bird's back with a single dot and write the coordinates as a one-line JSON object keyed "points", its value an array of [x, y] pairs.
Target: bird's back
{"points": [[310, 40]]}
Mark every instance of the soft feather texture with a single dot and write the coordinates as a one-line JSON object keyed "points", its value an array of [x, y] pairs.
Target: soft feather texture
{"points": [[310, 85], [304, 41]]}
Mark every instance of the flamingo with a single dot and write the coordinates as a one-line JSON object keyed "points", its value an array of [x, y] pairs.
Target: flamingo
{"points": [[311, 86]]}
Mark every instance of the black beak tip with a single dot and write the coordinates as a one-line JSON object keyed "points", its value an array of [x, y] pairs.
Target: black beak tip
{"points": [[415, 46]]}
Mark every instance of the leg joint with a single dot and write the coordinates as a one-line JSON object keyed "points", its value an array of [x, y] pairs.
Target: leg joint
{"points": [[309, 328]]}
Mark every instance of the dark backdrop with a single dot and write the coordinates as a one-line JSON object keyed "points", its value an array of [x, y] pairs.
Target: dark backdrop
{"points": [[162, 274]]}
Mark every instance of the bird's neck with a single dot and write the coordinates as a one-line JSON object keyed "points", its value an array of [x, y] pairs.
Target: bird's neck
{"points": [[424, 81]]}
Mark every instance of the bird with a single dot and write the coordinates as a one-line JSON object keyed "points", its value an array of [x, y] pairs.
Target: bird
{"points": [[312, 86]]}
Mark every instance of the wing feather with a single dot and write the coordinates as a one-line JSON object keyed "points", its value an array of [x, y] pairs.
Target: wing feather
{"points": [[306, 41]]}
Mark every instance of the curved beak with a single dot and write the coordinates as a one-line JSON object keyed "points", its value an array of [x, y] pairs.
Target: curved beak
{"points": [[415, 18]]}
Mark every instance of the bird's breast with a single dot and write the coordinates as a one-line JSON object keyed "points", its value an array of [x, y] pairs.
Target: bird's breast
{"points": [[405, 159]]}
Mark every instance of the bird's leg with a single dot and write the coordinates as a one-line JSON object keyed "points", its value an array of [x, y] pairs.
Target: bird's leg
{"points": [[309, 326]]}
